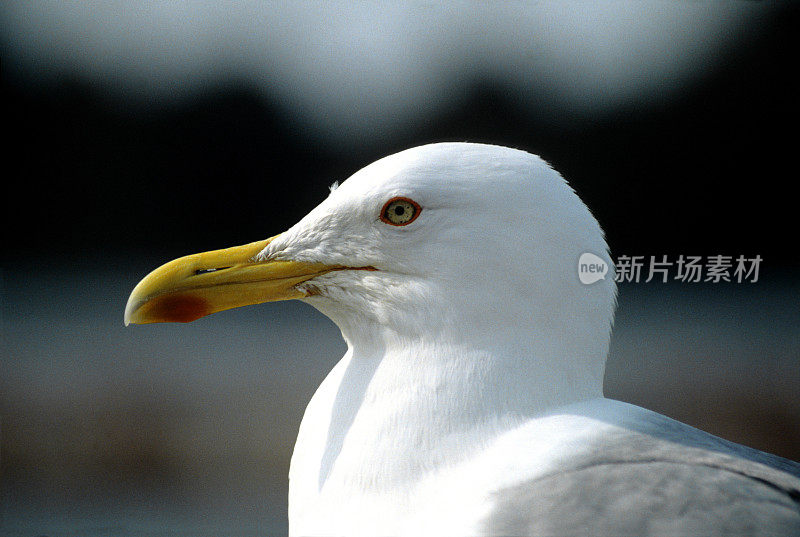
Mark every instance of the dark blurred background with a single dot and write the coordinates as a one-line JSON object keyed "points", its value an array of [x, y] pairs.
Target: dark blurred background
{"points": [[139, 132]]}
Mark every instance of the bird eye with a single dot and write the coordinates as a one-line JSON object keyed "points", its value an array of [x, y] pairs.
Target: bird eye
{"points": [[400, 211]]}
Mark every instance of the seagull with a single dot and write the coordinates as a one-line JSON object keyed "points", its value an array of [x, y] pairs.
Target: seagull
{"points": [[470, 399]]}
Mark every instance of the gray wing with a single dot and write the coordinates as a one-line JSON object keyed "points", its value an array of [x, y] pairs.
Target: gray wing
{"points": [[665, 478]]}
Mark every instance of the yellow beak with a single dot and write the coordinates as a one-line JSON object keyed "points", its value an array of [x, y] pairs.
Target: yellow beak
{"points": [[197, 285]]}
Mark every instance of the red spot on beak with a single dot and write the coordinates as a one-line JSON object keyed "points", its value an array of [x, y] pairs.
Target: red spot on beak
{"points": [[178, 308]]}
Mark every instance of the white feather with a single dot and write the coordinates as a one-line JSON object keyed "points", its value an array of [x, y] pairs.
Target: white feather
{"points": [[475, 356]]}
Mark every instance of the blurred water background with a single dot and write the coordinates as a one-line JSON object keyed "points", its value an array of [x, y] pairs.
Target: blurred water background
{"points": [[142, 131]]}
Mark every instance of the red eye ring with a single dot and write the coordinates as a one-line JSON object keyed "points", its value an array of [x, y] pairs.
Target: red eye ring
{"points": [[400, 211]]}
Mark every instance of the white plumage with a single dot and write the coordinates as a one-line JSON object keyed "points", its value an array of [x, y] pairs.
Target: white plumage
{"points": [[470, 399]]}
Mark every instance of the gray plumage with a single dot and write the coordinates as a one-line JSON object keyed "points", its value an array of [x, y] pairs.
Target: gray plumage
{"points": [[654, 476]]}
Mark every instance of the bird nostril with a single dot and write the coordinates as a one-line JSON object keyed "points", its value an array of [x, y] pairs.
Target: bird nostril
{"points": [[207, 270]]}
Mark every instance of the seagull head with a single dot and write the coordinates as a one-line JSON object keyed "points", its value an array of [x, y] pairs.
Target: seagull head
{"points": [[446, 242]]}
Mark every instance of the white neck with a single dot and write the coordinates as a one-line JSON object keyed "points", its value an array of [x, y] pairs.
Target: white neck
{"points": [[398, 407]]}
